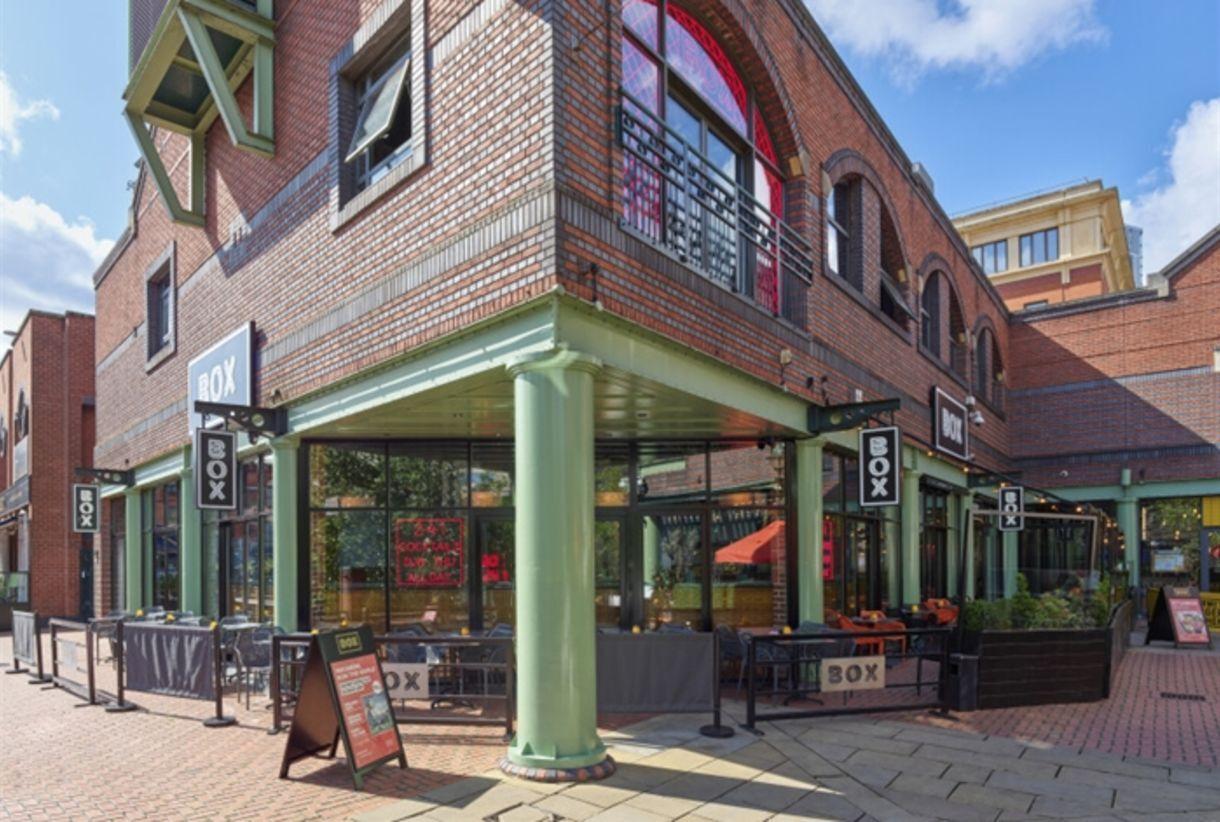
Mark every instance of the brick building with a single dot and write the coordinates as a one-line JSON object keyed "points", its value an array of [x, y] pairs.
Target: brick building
{"points": [[547, 292], [1116, 401], [46, 431]]}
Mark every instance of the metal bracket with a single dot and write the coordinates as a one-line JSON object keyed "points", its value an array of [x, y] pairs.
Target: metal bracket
{"points": [[824, 418], [269, 422], [110, 476]]}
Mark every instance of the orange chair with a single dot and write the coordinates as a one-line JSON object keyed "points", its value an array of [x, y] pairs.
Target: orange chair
{"points": [[942, 611], [878, 621], [874, 645]]}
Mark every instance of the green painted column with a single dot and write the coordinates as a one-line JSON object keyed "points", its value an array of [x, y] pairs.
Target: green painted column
{"points": [[953, 544], [652, 554], [1129, 523], [190, 569], [911, 528], [284, 457], [989, 563], [810, 593], [1010, 541], [966, 501], [556, 627], [133, 553]]}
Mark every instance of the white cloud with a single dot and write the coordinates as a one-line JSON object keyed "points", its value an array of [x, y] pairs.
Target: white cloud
{"points": [[46, 262], [1187, 205], [14, 112], [993, 37]]}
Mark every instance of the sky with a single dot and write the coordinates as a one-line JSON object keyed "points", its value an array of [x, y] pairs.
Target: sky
{"points": [[997, 98]]}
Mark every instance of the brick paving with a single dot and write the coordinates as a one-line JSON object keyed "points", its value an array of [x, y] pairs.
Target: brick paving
{"points": [[1136, 721]]}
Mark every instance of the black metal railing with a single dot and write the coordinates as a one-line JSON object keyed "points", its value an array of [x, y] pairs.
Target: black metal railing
{"points": [[677, 199], [910, 670]]}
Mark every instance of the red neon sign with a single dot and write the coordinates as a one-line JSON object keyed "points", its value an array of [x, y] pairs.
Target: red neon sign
{"points": [[429, 552]]}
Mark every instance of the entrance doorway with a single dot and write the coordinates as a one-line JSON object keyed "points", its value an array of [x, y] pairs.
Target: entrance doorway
{"points": [[494, 598], [86, 576], [1209, 560]]}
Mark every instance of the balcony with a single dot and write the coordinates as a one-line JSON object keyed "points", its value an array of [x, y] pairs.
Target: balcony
{"points": [[677, 200]]}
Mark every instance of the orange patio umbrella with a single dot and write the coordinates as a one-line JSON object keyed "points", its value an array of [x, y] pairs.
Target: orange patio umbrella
{"points": [[754, 549]]}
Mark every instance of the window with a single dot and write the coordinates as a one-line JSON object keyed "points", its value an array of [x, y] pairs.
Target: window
{"points": [[238, 549], [891, 297], [929, 315], [1040, 247], [118, 552], [160, 311], [381, 139], [988, 370], [860, 547], [838, 238], [934, 547], [701, 175], [160, 526], [992, 257], [1037, 304]]}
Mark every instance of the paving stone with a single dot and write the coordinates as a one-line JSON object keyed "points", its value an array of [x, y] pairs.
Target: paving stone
{"points": [[761, 795], [976, 774], [1097, 762], [894, 762], [642, 775], [1012, 764], [858, 741], [1151, 787], [402, 809], [458, 790], [1195, 776], [524, 813], [870, 775], [623, 813], [697, 786], [493, 801], [1086, 794], [866, 799], [804, 758], [986, 796], [934, 807], [881, 730], [828, 751], [679, 759], [963, 741], [1057, 808], [667, 806], [1143, 800], [599, 794], [923, 785], [567, 807], [822, 804]]}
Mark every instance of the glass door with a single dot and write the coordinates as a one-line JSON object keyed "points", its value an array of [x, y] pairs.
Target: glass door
{"points": [[674, 569], [494, 549], [608, 534], [1209, 560]]}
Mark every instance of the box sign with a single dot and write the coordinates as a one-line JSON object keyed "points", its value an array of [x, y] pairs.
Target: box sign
{"points": [[853, 673], [84, 509], [221, 374], [215, 470], [406, 680], [880, 461], [950, 426], [1012, 506]]}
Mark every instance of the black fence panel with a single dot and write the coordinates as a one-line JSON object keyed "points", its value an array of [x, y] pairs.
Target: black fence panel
{"points": [[72, 662]]}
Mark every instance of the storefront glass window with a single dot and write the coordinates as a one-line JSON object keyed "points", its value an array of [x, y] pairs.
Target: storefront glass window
{"points": [[160, 518], [118, 553], [1169, 540], [348, 568], [674, 554], [861, 548], [238, 547], [934, 545]]}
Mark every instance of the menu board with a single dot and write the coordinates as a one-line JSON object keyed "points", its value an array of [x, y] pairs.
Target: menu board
{"points": [[343, 696], [1177, 616], [428, 552]]}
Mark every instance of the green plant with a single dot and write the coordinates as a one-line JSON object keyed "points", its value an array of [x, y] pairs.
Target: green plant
{"points": [[1024, 607]]}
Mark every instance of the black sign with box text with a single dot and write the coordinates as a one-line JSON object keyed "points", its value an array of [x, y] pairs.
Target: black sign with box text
{"points": [[84, 509], [215, 470], [880, 466]]}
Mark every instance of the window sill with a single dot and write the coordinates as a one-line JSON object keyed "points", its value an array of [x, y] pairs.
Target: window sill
{"points": [[154, 361], [939, 363], [850, 290], [361, 201]]}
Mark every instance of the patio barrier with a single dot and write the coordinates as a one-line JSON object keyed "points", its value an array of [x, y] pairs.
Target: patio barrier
{"points": [[69, 640], [176, 660], [27, 646], [462, 680], [873, 672], [1121, 619]]}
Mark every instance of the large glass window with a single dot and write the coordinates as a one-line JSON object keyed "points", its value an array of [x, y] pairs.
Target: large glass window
{"points": [[1039, 247], [992, 257], [934, 544], [160, 513], [239, 549], [117, 535], [1169, 540], [861, 549]]}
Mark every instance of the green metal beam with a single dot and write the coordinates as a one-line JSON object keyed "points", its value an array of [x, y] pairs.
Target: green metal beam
{"points": [[165, 186], [233, 20]]}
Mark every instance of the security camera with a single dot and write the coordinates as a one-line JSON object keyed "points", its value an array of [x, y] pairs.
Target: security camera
{"points": [[970, 401], [977, 418]]}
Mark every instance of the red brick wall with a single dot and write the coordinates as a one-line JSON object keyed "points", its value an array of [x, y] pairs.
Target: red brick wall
{"points": [[1129, 383]]}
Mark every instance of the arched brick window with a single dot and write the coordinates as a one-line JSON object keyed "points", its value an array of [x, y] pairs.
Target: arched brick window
{"points": [[988, 369], [701, 175], [942, 326]]}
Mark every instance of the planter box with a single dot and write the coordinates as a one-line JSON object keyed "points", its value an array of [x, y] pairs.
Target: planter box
{"points": [[1040, 667]]}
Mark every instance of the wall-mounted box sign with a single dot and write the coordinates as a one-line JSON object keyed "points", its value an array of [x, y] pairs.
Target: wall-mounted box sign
{"points": [[84, 509], [1012, 507], [223, 374], [881, 461], [215, 470], [950, 426]]}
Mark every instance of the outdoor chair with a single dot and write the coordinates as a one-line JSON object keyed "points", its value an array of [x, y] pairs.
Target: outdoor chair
{"points": [[731, 650], [674, 628], [766, 655], [406, 651], [254, 652], [862, 641]]}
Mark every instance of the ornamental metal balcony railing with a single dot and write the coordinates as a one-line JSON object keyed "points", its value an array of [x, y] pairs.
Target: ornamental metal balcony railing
{"points": [[676, 199]]}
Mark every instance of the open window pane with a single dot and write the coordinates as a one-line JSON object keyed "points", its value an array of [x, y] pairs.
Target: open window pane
{"points": [[377, 114]]}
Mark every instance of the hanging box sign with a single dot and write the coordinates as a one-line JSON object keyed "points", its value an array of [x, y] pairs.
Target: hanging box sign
{"points": [[1012, 508], [1178, 617], [84, 509], [880, 461], [343, 695], [215, 470]]}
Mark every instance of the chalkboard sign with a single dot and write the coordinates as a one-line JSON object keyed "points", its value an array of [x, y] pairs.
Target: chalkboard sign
{"points": [[1178, 617], [343, 695]]}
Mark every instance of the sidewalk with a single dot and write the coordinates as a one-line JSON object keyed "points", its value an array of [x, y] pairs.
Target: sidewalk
{"points": [[841, 769]]}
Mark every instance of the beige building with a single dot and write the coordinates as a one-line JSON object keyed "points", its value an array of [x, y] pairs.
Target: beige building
{"points": [[1052, 247]]}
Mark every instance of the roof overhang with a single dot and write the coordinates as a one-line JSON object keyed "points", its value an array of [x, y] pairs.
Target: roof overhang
{"points": [[199, 53]]}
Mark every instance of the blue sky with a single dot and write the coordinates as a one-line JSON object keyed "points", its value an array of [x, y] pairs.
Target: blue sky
{"points": [[996, 97]]}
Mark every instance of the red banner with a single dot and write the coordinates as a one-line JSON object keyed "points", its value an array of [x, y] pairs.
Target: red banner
{"points": [[371, 732], [429, 551]]}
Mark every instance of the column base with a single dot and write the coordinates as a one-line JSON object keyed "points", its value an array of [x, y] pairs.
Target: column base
{"points": [[599, 770]]}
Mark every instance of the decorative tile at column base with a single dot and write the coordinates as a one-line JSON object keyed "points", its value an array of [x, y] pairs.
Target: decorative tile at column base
{"points": [[599, 771]]}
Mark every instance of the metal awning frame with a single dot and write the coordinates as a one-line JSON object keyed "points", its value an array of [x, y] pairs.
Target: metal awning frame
{"points": [[188, 21]]}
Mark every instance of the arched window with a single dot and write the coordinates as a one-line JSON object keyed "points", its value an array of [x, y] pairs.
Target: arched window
{"points": [[21, 419], [701, 175], [941, 317], [988, 370]]}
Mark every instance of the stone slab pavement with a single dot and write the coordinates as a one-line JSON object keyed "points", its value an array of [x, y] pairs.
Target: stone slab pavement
{"points": [[833, 768]]}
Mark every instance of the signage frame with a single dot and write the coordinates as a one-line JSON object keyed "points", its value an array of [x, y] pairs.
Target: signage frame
{"points": [[202, 476], [1015, 520], [893, 435], [940, 400], [195, 420], [1166, 620], [871, 675], [79, 526]]}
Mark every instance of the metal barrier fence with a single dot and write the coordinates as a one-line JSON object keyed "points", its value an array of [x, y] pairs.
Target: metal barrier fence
{"points": [[873, 672], [463, 680], [65, 658], [27, 646]]}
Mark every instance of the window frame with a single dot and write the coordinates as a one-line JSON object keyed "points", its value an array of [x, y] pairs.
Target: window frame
{"points": [[979, 253], [161, 309], [838, 266], [1035, 239], [367, 88]]}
